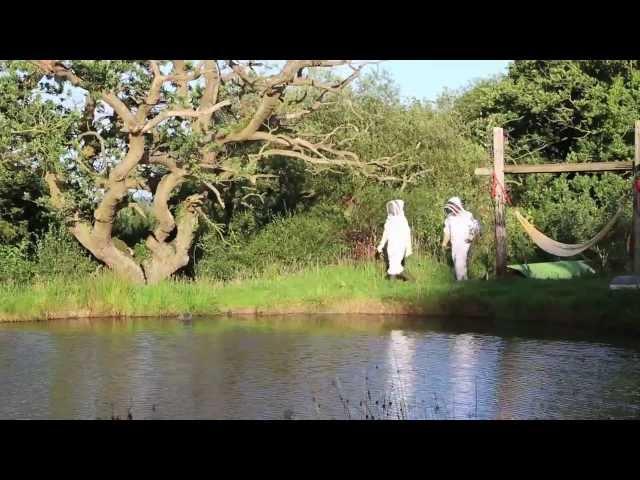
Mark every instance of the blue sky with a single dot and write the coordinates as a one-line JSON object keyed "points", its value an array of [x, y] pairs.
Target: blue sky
{"points": [[426, 79]]}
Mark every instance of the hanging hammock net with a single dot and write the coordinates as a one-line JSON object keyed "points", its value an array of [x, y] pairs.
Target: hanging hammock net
{"points": [[564, 249]]}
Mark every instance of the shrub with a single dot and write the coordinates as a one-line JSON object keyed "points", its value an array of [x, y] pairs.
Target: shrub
{"points": [[15, 265], [58, 253], [288, 243]]}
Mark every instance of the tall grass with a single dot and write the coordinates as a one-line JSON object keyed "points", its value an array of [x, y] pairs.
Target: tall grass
{"points": [[343, 288]]}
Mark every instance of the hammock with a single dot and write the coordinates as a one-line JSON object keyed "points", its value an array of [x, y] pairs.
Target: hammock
{"points": [[564, 249]]}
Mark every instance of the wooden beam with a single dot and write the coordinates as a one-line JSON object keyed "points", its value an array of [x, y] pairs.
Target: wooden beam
{"points": [[635, 235], [564, 167], [501, 230]]}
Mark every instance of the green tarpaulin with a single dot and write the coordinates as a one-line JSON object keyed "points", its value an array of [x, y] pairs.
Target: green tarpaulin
{"points": [[554, 270]]}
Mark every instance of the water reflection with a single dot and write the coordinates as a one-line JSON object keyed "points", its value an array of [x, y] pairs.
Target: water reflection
{"points": [[402, 373], [260, 369]]}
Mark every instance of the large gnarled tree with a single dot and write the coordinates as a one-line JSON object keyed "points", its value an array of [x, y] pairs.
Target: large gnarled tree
{"points": [[183, 132]]}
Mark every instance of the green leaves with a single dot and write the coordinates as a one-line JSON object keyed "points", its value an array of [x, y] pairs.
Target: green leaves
{"points": [[582, 109]]}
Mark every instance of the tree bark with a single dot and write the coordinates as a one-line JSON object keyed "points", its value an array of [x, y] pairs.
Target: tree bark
{"points": [[168, 258]]}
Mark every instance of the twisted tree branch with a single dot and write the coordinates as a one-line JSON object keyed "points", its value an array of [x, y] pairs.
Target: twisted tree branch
{"points": [[165, 114]]}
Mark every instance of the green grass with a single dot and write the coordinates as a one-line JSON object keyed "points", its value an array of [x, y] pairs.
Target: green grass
{"points": [[345, 288]]}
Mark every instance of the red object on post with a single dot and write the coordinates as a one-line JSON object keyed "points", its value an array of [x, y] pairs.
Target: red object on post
{"points": [[496, 187]]}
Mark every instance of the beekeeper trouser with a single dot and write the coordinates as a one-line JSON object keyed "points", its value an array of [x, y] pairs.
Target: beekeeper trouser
{"points": [[459, 254], [395, 257]]}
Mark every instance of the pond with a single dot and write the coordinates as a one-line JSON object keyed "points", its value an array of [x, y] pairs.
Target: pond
{"points": [[310, 367]]}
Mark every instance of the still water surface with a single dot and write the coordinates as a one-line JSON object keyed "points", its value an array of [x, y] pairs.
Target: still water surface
{"points": [[308, 368]]}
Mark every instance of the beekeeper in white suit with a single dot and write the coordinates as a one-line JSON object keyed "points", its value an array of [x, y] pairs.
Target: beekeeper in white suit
{"points": [[397, 239], [460, 228]]}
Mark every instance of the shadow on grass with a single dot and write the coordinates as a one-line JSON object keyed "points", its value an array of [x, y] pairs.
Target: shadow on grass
{"points": [[584, 304]]}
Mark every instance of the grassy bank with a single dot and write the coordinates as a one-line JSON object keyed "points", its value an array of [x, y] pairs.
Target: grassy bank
{"points": [[336, 289]]}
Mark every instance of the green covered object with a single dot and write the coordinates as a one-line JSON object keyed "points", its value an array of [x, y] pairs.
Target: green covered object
{"points": [[554, 270]]}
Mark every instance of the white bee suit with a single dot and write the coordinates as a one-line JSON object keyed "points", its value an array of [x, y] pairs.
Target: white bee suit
{"points": [[396, 237], [460, 228]]}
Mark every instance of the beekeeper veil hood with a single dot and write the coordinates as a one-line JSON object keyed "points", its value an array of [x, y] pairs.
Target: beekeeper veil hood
{"points": [[395, 208], [454, 206]]}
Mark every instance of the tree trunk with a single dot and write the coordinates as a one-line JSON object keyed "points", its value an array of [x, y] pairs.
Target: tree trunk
{"points": [[98, 239], [168, 258], [118, 261], [121, 263]]}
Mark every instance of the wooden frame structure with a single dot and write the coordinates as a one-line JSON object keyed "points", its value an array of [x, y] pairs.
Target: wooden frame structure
{"points": [[499, 170]]}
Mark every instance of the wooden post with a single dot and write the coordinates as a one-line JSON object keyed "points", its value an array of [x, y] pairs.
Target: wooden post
{"points": [[501, 231], [636, 204]]}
